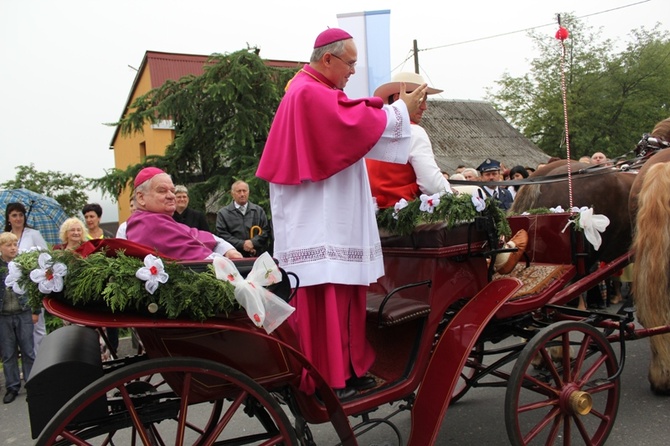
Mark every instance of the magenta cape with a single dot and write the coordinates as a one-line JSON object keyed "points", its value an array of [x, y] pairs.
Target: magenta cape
{"points": [[172, 239], [317, 131]]}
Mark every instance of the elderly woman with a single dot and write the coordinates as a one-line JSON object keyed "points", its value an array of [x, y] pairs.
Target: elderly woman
{"points": [[72, 234], [152, 224]]}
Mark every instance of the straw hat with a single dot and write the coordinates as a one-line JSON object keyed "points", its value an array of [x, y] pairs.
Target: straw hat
{"points": [[412, 81]]}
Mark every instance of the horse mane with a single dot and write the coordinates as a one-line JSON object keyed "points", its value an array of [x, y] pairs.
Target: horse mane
{"points": [[662, 130], [651, 245]]}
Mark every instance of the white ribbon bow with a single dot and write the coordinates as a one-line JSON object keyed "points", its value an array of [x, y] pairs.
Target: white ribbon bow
{"points": [[264, 308]]}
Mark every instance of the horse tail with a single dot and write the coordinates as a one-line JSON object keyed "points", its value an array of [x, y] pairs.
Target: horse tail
{"points": [[651, 286]]}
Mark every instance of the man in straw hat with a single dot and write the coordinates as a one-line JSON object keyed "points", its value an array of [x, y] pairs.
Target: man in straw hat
{"points": [[391, 182], [322, 209]]}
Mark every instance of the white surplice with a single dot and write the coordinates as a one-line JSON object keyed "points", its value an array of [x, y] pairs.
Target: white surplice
{"points": [[326, 231]]}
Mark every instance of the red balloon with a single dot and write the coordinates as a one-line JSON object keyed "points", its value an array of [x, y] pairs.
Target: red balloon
{"points": [[562, 33]]}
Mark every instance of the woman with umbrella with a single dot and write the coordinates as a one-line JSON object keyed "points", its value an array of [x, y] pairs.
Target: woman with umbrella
{"points": [[15, 222]]}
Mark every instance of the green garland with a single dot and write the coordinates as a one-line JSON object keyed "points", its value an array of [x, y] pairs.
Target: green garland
{"points": [[453, 210], [111, 281]]}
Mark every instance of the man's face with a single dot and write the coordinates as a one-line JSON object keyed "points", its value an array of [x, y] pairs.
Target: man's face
{"points": [[240, 194], [342, 65], [418, 114], [160, 197], [470, 175], [9, 250], [598, 158], [491, 175], [182, 201]]}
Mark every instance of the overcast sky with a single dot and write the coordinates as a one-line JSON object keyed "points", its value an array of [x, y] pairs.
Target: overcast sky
{"points": [[66, 65]]}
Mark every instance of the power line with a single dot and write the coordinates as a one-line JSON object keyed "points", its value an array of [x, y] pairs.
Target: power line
{"points": [[531, 28]]}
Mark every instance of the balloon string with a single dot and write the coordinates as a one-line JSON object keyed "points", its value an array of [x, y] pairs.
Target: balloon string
{"points": [[565, 119]]}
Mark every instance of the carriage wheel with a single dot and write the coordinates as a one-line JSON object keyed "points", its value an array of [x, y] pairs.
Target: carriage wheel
{"points": [[567, 399], [140, 408], [470, 369]]}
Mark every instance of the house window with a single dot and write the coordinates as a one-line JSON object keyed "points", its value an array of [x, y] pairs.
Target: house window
{"points": [[143, 151]]}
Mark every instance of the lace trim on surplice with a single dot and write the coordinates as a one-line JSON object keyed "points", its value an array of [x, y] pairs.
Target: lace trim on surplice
{"points": [[339, 253]]}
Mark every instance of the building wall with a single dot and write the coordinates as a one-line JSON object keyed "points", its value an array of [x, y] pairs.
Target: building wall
{"points": [[131, 149]]}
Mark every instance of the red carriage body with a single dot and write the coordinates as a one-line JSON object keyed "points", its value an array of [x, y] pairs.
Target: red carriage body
{"points": [[428, 317]]}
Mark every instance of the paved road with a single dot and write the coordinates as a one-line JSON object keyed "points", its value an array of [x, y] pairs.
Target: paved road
{"points": [[642, 420]]}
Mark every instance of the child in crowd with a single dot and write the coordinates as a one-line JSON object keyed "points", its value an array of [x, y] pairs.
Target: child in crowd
{"points": [[16, 324]]}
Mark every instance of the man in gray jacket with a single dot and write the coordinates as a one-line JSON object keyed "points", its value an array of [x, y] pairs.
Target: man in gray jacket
{"points": [[243, 223]]}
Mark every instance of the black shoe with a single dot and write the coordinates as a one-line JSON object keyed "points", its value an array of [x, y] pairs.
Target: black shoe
{"points": [[362, 383], [345, 393], [9, 397]]}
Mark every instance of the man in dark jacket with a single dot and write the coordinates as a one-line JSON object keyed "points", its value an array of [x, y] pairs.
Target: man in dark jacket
{"points": [[490, 171], [184, 214], [243, 223]]}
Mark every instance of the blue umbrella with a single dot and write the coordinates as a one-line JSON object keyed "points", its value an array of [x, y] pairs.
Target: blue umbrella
{"points": [[43, 213]]}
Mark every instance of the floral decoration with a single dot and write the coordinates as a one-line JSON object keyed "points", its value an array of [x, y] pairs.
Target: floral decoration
{"points": [[152, 273], [451, 209], [49, 276], [13, 276], [400, 205], [429, 202], [112, 282], [479, 203]]}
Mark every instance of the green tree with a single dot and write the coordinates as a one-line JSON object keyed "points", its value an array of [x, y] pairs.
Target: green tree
{"points": [[67, 189], [612, 97], [221, 120]]}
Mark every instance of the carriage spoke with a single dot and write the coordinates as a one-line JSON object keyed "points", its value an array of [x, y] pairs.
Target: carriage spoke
{"points": [[225, 419], [183, 409], [550, 417], [567, 376]]}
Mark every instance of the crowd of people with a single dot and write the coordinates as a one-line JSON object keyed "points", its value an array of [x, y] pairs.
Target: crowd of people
{"points": [[321, 146]]}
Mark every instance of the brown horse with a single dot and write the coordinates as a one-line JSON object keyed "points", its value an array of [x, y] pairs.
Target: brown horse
{"points": [[606, 190], [650, 204]]}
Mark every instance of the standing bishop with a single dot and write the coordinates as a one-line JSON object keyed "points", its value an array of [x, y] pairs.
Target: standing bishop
{"points": [[322, 207]]}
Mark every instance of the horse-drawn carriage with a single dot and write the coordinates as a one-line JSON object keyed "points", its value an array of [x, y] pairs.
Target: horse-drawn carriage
{"points": [[440, 322]]}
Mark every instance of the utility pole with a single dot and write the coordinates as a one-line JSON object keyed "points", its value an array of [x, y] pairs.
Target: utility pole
{"points": [[416, 57]]}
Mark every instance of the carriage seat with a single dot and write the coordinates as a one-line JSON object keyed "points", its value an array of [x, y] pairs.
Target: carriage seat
{"points": [[387, 310]]}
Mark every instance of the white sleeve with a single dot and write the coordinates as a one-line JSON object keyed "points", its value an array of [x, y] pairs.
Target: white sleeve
{"points": [[222, 246], [421, 157], [121, 231], [394, 144]]}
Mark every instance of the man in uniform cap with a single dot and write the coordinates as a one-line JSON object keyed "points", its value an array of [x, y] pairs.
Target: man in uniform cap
{"points": [[323, 213], [391, 182], [490, 171]]}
